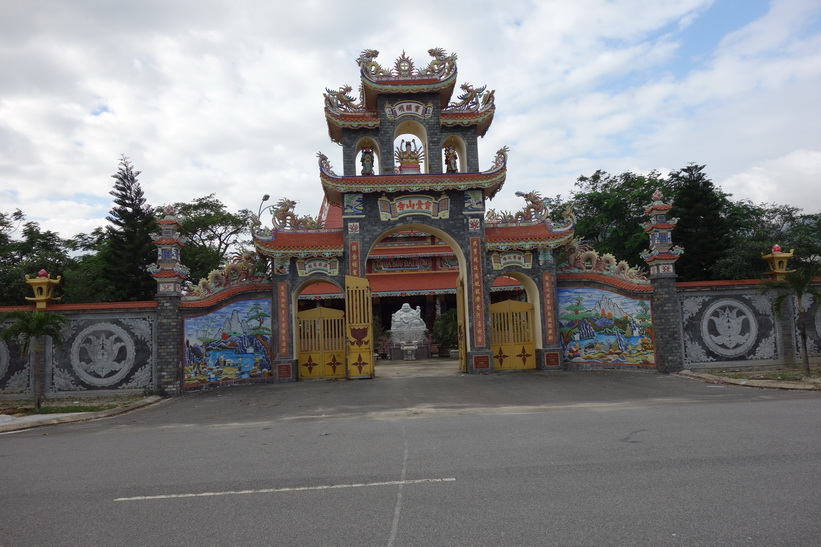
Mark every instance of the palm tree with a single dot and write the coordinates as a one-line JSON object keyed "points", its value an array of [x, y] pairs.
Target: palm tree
{"points": [[798, 284], [30, 328]]}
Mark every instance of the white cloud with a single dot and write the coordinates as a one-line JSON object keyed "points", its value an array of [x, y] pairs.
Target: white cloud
{"points": [[794, 179], [226, 98]]}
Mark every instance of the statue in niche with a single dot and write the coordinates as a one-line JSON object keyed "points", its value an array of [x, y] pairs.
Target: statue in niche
{"points": [[409, 159], [367, 161], [451, 160]]}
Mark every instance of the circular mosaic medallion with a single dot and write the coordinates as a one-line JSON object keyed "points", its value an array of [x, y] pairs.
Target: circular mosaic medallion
{"points": [[729, 328], [102, 354]]}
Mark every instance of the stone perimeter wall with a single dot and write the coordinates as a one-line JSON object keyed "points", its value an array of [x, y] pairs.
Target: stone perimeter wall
{"points": [[735, 325], [130, 347], [108, 349]]}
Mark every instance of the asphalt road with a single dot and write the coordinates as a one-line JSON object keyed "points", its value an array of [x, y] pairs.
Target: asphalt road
{"points": [[535, 458]]}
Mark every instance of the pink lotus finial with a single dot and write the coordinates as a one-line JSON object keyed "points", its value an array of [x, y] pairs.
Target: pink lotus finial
{"points": [[42, 273], [776, 248]]}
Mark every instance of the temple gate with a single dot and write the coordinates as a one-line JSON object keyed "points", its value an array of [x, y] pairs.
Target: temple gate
{"points": [[410, 171], [411, 166], [322, 343]]}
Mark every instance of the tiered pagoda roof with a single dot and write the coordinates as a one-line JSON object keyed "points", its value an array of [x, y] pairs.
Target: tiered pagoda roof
{"points": [[473, 107], [489, 181]]}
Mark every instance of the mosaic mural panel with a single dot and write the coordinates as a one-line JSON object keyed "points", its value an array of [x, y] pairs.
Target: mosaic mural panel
{"points": [[604, 328], [228, 344]]}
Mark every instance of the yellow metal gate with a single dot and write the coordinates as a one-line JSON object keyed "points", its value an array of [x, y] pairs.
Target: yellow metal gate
{"points": [[511, 335], [358, 313], [321, 343]]}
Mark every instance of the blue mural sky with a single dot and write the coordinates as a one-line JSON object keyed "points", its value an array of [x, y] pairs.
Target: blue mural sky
{"points": [[204, 95], [590, 297], [194, 326]]}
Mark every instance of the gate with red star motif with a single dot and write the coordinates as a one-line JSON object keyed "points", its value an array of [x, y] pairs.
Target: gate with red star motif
{"points": [[511, 335], [359, 319], [321, 343]]}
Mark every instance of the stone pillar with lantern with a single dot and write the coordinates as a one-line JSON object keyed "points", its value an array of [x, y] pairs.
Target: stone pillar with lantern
{"points": [[661, 258], [169, 273]]}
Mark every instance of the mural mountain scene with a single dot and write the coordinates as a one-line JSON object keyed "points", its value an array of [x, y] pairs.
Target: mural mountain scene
{"points": [[600, 327], [232, 343]]}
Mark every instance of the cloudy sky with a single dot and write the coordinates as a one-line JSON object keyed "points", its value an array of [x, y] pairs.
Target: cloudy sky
{"points": [[211, 96]]}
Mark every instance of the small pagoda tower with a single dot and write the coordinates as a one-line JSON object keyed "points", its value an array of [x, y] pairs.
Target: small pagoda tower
{"points": [[168, 271], [661, 257]]}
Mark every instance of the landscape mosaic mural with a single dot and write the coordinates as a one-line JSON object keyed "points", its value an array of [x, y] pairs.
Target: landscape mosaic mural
{"points": [[229, 344], [603, 327]]}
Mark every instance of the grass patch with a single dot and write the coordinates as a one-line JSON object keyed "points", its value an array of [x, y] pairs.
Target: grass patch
{"points": [[64, 406], [783, 374]]}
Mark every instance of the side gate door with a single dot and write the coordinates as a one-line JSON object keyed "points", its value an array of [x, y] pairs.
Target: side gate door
{"points": [[321, 343], [359, 327], [511, 335]]}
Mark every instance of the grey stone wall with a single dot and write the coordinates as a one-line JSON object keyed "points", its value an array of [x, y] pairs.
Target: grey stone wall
{"points": [[737, 326], [111, 351]]}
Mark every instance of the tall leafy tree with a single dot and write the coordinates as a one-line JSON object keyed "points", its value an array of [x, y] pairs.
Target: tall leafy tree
{"points": [[756, 228], [610, 211], [704, 227], [130, 249], [30, 329], [83, 280], [212, 232], [722, 239]]}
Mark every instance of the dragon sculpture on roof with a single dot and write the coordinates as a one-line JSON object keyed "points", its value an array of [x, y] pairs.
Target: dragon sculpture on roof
{"points": [[339, 99]]}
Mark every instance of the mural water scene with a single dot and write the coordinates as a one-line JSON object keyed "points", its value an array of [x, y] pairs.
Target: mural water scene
{"points": [[229, 344], [602, 327]]}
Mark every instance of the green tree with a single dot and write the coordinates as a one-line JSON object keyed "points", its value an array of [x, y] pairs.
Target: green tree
{"points": [[212, 232], [798, 284], [84, 279], [30, 329], [756, 228], [610, 211], [704, 227], [129, 248], [33, 251]]}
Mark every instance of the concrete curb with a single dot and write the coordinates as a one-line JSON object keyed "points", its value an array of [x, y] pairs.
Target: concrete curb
{"points": [[29, 422], [809, 385]]}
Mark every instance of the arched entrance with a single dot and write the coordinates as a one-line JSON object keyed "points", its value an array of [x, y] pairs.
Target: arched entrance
{"points": [[514, 327], [319, 331], [431, 283]]}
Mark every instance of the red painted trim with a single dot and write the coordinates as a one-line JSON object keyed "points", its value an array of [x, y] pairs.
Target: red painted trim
{"points": [[147, 304], [605, 279], [225, 294], [720, 283]]}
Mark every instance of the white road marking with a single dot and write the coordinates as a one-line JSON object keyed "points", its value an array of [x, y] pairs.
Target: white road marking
{"points": [[291, 489], [398, 508]]}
